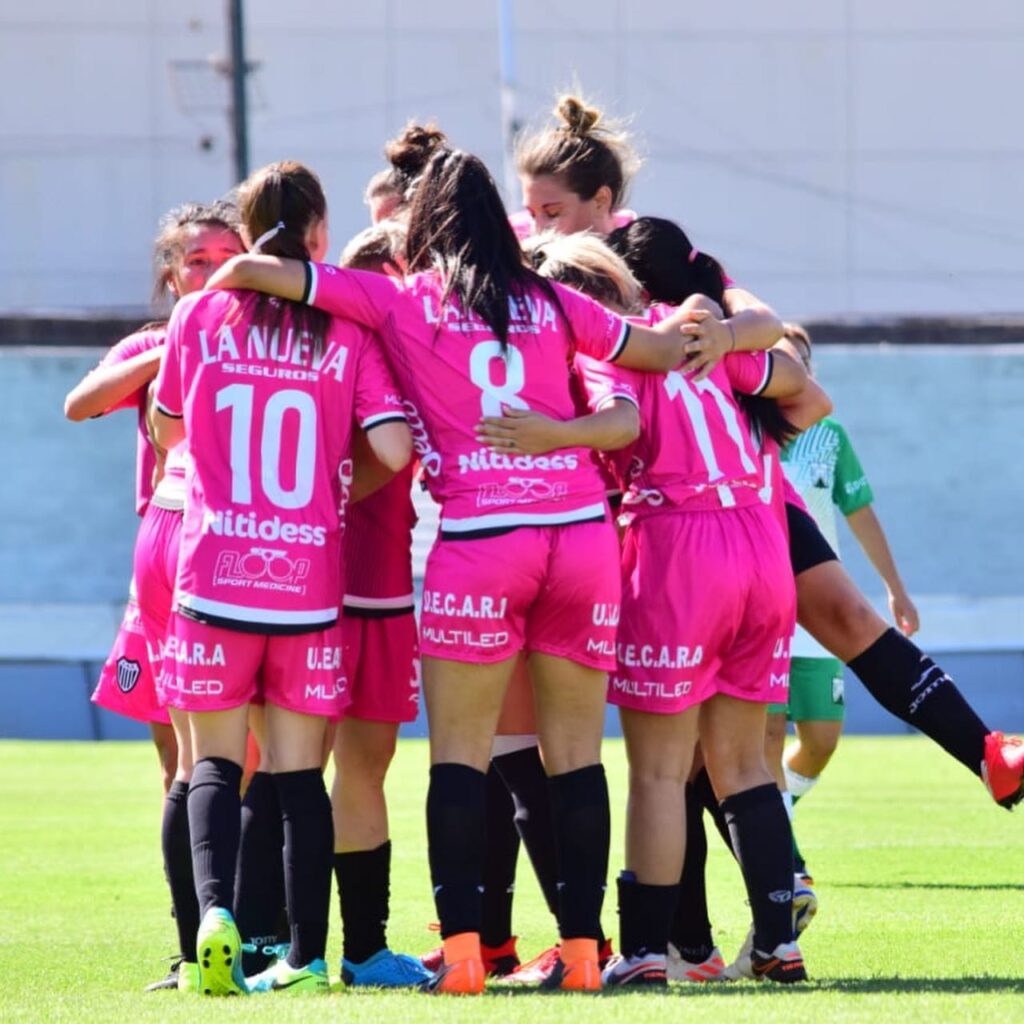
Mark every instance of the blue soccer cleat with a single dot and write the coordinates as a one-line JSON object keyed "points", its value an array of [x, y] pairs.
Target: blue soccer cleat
{"points": [[385, 969]]}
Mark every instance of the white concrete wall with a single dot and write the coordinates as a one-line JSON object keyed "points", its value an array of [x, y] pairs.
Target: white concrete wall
{"points": [[857, 157]]}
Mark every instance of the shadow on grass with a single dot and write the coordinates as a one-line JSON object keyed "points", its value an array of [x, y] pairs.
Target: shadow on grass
{"points": [[983, 985], [969, 886]]}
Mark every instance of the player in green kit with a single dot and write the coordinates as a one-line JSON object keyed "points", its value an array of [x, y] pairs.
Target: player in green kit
{"points": [[823, 467]]}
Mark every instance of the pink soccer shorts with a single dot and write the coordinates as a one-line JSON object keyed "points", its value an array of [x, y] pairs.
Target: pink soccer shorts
{"points": [[127, 683], [708, 607], [382, 666], [209, 668], [550, 589]]}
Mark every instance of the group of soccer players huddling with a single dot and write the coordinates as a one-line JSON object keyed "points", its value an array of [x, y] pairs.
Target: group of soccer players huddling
{"points": [[602, 416]]}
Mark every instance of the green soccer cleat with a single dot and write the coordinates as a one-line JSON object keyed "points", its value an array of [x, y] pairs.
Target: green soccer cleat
{"points": [[282, 977], [188, 977], [219, 951]]}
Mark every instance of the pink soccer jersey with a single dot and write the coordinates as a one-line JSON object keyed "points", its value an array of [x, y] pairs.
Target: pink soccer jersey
{"points": [[270, 423], [595, 386], [695, 449], [145, 457], [378, 548], [451, 371]]}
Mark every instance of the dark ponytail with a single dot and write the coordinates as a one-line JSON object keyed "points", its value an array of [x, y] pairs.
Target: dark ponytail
{"points": [[671, 269], [458, 225], [280, 202], [666, 263]]}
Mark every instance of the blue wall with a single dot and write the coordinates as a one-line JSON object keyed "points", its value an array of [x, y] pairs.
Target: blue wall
{"points": [[938, 430]]}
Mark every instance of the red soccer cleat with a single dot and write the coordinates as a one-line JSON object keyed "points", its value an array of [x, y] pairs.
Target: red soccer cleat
{"points": [[499, 961], [1002, 771]]}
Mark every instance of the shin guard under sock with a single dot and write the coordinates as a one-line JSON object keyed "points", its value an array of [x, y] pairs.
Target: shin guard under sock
{"points": [[177, 850], [582, 823], [455, 845], [645, 915], [213, 821], [364, 888], [690, 931], [909, 685], [499, 867], [523, 773], [308, 849], [763, 842], [703, 792], [259, 883]]}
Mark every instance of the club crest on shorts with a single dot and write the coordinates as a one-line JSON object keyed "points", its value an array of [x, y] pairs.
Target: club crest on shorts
{"points": [[128, 672]]}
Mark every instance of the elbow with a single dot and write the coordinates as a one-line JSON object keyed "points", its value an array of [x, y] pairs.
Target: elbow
{"points": [[823, 404], [630, 427], [75, 409], [772, 328], [398, 453], [818, 401]]}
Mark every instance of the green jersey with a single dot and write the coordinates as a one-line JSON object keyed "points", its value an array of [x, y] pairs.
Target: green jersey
{"points": [[822, 465]]}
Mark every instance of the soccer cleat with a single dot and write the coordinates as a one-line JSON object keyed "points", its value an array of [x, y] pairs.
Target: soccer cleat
{"points": [[805, 904], [280, 976], [461, 978], [170, 979], [537, 970], [385, 969], [219, 950], [499, 961], [188, 978], [649, 969], [580, 976], [785, 965], [1002, 771], [711, 968]]}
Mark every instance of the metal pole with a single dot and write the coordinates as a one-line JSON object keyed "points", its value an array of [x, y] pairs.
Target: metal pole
{"points": [[509, 124], [239, 107]]}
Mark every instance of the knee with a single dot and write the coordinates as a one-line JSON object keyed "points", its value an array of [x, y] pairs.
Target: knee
{"points": [[858, 623], [365, 764], [167, 751], [819, 747], [654, 777]]}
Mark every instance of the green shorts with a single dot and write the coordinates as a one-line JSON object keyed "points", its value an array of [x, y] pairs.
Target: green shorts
{"points": [[815, 691]]}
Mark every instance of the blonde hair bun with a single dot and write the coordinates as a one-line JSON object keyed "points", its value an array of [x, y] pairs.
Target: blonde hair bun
{"points": [[577, 118]]}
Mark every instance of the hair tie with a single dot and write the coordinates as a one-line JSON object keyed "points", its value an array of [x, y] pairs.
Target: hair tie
{"points": [[267, 236], [694, 253]]}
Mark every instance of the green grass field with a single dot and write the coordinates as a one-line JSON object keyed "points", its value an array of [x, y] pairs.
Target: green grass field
{"points": [[920, 881]]}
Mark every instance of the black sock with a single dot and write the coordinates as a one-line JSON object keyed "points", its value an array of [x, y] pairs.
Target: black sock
{"points": [[213, 822], [177, 849], [308, 848], [455, 845], [704, 793], [645, 915], [909, 685], [499, 868], [364, 889], [763, 842], [259, 883], [582, 820], [690, 931], [523, 773], [799, 864]]}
